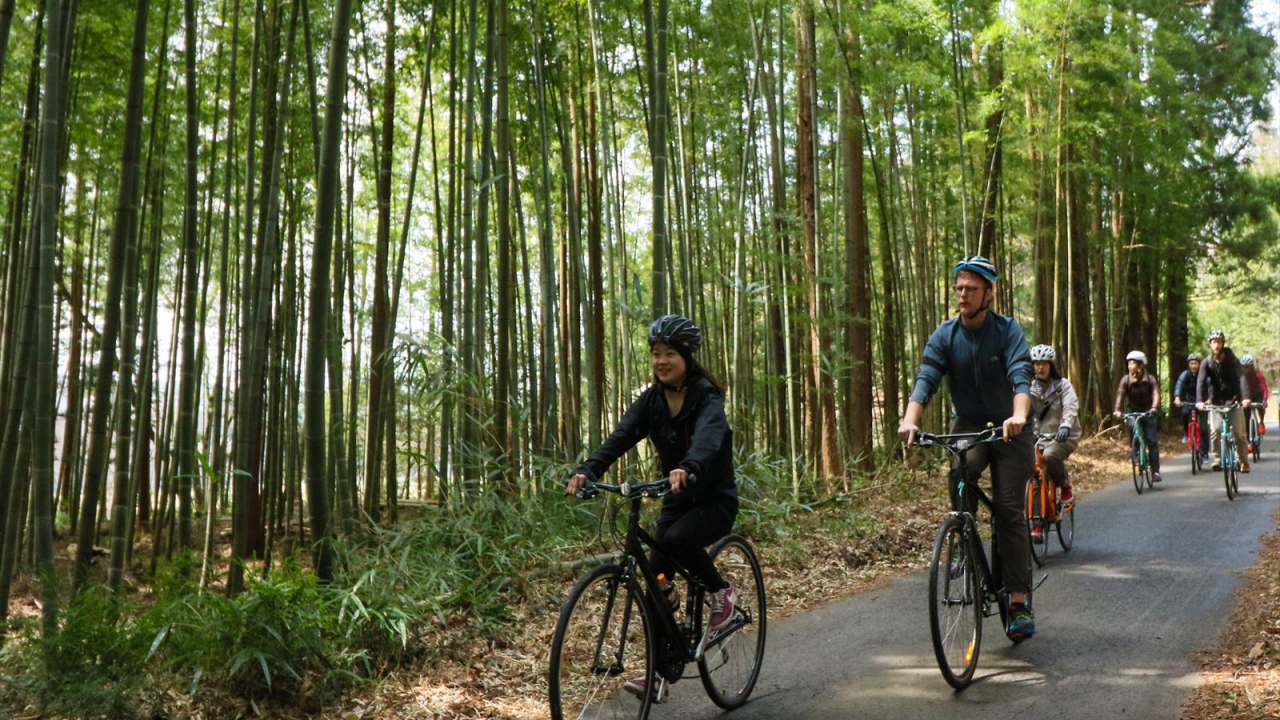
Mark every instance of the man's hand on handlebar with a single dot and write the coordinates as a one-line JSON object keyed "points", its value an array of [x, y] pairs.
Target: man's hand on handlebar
{"points": [[907, 432], [1013, 426]]}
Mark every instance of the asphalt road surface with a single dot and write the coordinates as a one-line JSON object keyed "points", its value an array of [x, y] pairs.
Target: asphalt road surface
{"points": [[1150, 579]]}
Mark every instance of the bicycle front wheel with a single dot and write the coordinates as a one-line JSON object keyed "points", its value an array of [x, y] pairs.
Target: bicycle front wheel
{"points": [[1193, 444], [730, 663], [602, 639], [1136, 457], [1036, 519], [955, 603], [1229, 464]]}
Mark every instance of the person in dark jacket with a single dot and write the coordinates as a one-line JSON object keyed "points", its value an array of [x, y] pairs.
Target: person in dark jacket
{"points": [[683, 415], [1184, 398], [985, 359], [1221, 382], [1142, 390]]}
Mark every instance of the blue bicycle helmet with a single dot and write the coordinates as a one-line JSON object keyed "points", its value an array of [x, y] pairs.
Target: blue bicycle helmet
{"points": [[977, 264]]}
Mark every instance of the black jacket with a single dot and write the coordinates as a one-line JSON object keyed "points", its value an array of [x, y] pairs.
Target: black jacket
{"points": [[1225, 381], [698, 440]]}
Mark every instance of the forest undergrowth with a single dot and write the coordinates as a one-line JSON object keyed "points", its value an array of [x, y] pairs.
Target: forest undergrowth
{"points": [[451, 615]]}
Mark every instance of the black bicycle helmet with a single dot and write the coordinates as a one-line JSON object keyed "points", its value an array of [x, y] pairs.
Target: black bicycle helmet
{"points": [[675, 330]]}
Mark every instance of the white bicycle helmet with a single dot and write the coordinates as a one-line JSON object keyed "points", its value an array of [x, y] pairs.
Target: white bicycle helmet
{"points": [[977, 264], [1247, 360], [1217, 335], [1137, 355], [1194, 357], [1043, 353]]}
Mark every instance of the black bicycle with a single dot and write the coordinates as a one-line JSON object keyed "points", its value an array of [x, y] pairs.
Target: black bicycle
{"points": [[964, 587], [617, 625]]}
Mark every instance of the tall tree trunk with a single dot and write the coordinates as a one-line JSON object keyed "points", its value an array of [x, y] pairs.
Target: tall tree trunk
{"points": [[858, 393], [125, 227], [189, 383], [46, 355], [506, 277], [656, 34]]}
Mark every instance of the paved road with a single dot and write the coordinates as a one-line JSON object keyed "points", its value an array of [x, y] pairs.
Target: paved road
{"points": [[1150, 579]]}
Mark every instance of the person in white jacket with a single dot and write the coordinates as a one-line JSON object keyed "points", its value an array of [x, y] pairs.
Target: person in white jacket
{"points": [[1055, 409]]}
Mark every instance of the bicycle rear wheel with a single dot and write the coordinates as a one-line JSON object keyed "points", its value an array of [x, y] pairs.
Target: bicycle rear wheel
{"points": [[603, 638], [955, 603], [730, 664], [1255, 437], [1036, 519]]}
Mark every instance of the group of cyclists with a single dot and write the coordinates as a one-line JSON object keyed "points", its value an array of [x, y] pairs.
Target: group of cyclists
{"points": [[994, 379], [1220, 380]]}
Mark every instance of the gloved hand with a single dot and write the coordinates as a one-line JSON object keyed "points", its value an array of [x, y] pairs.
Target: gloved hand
{"points": [[1063, 432]]}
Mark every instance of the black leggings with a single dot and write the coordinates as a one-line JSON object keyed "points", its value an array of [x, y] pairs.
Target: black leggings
{"points": [[685, 534]]}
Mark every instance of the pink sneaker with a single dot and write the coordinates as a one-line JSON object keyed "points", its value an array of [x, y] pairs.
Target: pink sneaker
{"points": [[721, 608], [637, 686], [1067, 497], [1037, 535]]}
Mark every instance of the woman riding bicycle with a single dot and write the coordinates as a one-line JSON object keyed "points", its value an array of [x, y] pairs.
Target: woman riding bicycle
{"points": [[682, 414], [1056, 409], [1142, 390], [1258, 391], [1184, 398]]}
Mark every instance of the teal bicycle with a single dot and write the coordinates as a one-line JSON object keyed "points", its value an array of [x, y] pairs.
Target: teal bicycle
{"points": [[1227, 448], [1139, 453]]}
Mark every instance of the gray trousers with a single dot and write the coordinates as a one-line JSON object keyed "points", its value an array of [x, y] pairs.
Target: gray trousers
{"points": [[1011, 465]]}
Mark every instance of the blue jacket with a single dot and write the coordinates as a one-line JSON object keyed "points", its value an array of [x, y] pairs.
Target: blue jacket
{"points": [[1186, 387], [985, 367]]}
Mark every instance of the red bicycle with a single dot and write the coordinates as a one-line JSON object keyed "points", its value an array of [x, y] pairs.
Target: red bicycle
{"points": [[1195, 443]]}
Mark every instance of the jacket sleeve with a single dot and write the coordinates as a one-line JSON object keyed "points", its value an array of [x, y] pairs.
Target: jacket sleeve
{"points": [[632, 428], [932, 367], [1202, 383], [1017, 359], [708, 435], [1124, 381], [1180, 389], [1244, 385], [1070, 406]]}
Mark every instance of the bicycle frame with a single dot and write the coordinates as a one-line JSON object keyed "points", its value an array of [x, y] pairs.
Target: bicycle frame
{"points": [[637, 568], [1048, 486], [1136, 439], [1226, 436], [988, 570]]}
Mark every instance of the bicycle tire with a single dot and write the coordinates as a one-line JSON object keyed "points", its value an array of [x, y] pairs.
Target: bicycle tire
{"points": [[955, 603], [604, 619], [1067, 528], [1193, 445], [1228, 456], [1136, 457], [729, 668], [1036, 519], [1255, 437]]}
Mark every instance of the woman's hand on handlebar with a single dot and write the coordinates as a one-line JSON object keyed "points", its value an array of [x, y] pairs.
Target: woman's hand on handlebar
{"points": [[575, 484], [679, 478]]}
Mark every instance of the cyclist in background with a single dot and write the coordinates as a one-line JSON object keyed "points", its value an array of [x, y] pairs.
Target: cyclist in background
{"points": [[1056, 409], [682, 414], [1258, 392], [1221, 382], [985, 357], [1184, 398], [1142, 390]]}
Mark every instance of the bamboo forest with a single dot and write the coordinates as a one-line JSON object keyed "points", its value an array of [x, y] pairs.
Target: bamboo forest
{"points": [[309, 308]]}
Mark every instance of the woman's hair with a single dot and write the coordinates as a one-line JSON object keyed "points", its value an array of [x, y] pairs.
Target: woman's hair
{"points": [[693, 370]]}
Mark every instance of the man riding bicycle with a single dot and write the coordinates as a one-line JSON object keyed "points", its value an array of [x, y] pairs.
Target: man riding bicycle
{"points": [[985, 356], [1221, 382], [1056, 409], [1184, 398]]}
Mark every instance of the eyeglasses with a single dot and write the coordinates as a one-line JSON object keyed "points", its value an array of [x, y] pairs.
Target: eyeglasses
{"points": [[966, 289]]}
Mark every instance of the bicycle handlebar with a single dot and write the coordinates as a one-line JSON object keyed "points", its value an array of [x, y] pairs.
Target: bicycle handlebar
{"points": [[958, 442], [1136, 415], [1222, 408], [654, 489]]}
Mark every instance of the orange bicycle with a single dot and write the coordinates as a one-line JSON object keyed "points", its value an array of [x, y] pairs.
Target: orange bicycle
{"points": [[1045, 508]]}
